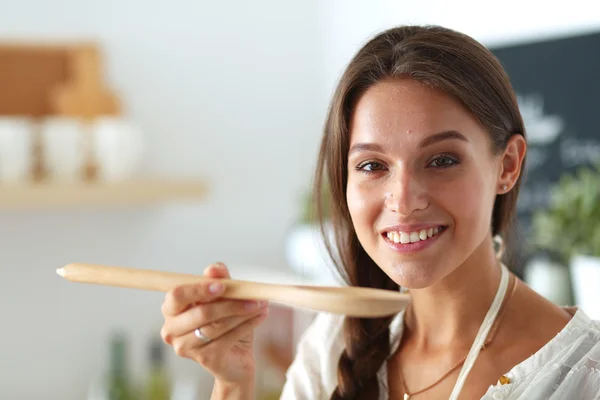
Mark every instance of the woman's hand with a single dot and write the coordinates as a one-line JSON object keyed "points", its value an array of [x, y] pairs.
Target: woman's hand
{"points": [[216, 333]]}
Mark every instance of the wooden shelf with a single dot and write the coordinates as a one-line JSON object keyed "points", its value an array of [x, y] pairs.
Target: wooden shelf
{"points": [[71, 195]]}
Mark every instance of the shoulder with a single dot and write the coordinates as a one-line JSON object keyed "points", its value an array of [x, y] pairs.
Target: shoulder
{"points": [[565, 367], [576, 347], [313, 373]]}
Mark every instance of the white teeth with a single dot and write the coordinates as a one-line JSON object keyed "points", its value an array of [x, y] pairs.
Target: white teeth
{"points": [[404, 238], [393, 237], [412, 237]]}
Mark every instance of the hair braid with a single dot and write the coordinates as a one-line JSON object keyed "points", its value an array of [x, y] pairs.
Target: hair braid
{"points": [[367, 339]]}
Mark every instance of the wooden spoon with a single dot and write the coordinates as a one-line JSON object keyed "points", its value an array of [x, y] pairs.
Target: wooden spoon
{"points": [[350, 301]]}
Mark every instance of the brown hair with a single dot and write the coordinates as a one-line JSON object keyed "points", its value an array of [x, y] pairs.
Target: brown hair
{"points": [[462, 68]]}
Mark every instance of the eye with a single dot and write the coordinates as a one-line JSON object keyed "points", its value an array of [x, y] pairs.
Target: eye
{"points": [[370, 166], [443, 161]]}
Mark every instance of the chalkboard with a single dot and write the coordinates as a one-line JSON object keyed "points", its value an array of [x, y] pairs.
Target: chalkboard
{"points": [[558, 87]]}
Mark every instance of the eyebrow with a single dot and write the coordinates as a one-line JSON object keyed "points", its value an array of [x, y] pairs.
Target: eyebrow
{"points": [[428, 141], [445, 135]]}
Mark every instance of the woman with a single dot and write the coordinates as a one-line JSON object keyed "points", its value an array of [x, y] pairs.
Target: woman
{"points": [[423, 151]]}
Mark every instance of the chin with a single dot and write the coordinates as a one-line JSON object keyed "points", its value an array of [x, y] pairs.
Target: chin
{"points": [[414, 274]]}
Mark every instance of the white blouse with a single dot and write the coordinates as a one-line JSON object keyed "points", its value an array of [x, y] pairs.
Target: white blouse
{"points": [[567, 367]]}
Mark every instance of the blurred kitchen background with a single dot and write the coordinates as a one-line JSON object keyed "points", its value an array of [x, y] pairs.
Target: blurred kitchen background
{"points": [[170, 135]]}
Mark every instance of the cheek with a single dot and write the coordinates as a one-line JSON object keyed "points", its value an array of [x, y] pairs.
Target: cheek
{"points": [[471, 203], [364, 205]]}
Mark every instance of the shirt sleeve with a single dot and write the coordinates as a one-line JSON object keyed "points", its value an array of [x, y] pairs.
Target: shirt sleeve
{"points": [[313, 373]]}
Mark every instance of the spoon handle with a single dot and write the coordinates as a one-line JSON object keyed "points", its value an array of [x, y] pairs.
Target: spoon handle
{"points": [[161, 281]]}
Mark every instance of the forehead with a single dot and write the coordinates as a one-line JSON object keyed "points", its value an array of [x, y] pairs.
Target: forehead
{"points": [[405, 106]]}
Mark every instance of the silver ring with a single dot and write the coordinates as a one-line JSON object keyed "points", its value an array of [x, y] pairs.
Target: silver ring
{"points": [[201, 336]]}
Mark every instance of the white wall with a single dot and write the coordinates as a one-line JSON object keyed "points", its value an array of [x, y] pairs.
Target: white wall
{"points": [[234, 91], [349, 23], [225, 90]]}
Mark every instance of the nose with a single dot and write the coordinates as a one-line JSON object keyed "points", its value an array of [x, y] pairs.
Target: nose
{"points": [[405, 194]]}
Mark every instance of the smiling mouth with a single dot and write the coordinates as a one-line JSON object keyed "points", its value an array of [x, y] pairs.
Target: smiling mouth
{"points": [[414, 236]]}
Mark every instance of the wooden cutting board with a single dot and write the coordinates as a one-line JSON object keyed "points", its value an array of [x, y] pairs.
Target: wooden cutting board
{"points": [[84, 94]]}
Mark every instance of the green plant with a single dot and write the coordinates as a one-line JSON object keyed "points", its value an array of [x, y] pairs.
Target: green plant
{"points": [[309, 208], [571, 223]]}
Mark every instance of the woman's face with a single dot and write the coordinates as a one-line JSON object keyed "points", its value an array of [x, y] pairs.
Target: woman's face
{"points": [[422, 180]]}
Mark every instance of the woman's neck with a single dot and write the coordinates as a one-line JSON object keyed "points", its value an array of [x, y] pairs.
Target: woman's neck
{"points": [[450, 312]]}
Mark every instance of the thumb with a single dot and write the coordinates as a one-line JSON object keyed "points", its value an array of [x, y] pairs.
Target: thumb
{"points": [[217, 270]]}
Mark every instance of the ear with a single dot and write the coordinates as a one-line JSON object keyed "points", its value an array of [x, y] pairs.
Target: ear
{"points": [[511, 163]]}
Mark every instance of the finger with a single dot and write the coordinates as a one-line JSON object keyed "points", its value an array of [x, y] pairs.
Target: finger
{"points": [[206, 314], [190, 346], [233, 336], [218, 270], [181, 297], [219, 328], [212, 331]]}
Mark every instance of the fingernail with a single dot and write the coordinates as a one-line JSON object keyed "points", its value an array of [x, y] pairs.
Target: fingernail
{"points": [[215, 288], [263, 304], [250, 305]]}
